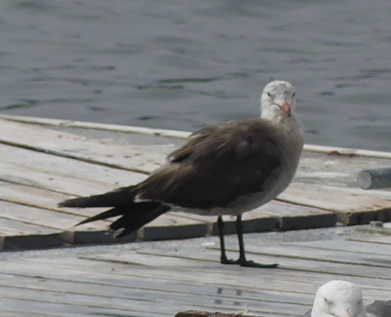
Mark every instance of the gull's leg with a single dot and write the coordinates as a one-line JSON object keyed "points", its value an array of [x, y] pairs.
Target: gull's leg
{"points": [[242, 259], [223, 257]]}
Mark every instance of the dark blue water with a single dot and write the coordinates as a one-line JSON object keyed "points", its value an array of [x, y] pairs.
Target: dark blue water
{"points": [[182, 64]]}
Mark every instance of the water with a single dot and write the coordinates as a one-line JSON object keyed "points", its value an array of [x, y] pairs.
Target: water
{"points": [[182, 64]]}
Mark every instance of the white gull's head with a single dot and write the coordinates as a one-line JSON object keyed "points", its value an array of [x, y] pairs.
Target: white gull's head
{"points": [[278, 100], [338, 299]]}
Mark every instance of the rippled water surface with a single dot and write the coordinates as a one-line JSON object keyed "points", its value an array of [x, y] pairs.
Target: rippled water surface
{"points": [[182, 64]]}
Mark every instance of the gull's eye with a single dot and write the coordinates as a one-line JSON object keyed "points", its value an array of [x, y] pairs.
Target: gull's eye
{"points": [[294, 94], [325, 299], [269, 94]]}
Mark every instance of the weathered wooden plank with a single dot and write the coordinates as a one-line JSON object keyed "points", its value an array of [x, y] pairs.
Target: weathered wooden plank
{"points": [[351, 208], [306, 270], [376, 291], [41, 217], [74, 297], [224, 297], [19, 174], [286, 263], [15, 228], [348, 153], [173, 278], [292, 269], [21, 314], [82, 300], [354, 247], [32, 241], [68, 168], [281, 280], [158, 305], [95, 151], [374, 239], [18, 235], [323, 255], [98, 126], [39, 198], [27, 305]]}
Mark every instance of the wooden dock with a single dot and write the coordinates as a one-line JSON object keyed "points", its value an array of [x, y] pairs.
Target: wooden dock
{"points": [[154, 279], [41, 166]]}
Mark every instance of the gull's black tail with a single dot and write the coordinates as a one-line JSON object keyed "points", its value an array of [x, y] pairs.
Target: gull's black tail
{"points": [[134, 214]]}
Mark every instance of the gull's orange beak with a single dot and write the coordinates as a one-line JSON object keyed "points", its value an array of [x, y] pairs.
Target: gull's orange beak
{"points": [[286, 108]]}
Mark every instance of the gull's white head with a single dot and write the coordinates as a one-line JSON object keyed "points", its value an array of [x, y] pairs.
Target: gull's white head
{"points": [[338, 299], [278, 100]]}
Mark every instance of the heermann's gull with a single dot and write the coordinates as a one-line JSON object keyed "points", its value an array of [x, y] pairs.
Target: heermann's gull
{"points": [[344, 299], [225, 169]]}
